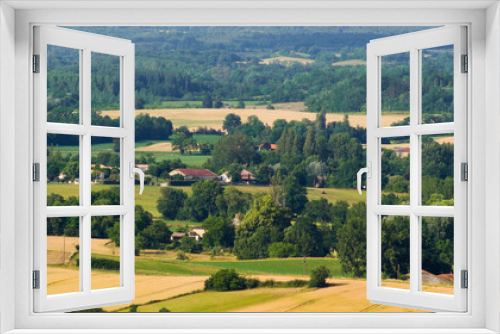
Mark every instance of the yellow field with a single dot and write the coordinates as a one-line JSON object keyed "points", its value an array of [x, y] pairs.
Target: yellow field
{"points": [[196, 117], [352, 62], [158, 147], [286, 60]]}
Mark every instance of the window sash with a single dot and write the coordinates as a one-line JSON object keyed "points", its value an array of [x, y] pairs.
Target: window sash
{"points": [[414, 43]]}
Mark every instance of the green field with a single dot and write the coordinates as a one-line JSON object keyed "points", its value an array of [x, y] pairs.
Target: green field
{"points": [[293, 266], [211, 301], [194, 160]]}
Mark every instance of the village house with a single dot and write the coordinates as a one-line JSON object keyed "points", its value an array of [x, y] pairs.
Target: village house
{"points": [[245, 176], [194, 174], [267, 147], [176, 236]]}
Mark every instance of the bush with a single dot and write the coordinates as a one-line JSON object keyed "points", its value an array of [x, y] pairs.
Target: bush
{"points": [[181, 256], [318, 277], [164, 310], [101, 263], [225, 280], [281, 250], [133, 308]]}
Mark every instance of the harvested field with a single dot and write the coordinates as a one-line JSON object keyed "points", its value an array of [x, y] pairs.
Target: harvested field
{"points": [[213, 118], [158, 147], [286, 60], [352, 62]]}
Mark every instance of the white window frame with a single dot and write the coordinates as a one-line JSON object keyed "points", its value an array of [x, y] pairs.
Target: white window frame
{"points": [[414, 44], [484, 103]]}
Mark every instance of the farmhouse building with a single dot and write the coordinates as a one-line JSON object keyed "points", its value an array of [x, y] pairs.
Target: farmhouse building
{"points": [[176, 236], [194, 174], [245, 176]]}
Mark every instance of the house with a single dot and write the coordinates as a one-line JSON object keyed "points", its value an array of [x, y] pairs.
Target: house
{"points": [[199, 231], [247, 176], [194, 174], [62, 176], [402, 152], [267, 147], [143, 167]]}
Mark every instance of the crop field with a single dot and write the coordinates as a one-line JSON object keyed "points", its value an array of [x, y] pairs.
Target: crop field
{"points": [[163, 281], [196, 117], [351, 62], [286, 60]]}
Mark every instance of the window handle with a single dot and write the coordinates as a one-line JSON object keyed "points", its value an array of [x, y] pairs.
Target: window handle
{"points": [[134, 170], [368, 171]]}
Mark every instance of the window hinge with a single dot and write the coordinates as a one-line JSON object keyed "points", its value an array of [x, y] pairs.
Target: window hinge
{"points": [[36, 63], [36, 172], [36, 279], [464, 169], [465, 279], [465, 63]]}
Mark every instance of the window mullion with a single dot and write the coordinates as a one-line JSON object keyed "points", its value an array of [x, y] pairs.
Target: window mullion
{"points": [[415, 251]]}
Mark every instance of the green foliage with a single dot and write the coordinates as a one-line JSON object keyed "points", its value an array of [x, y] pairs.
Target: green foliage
{"points": [[225, 280], [306, 236], [352, 241], [395, 246], [155, 128], [157, 235], [236, 148], [164, 310], [263, 225], [171, 201], [231, 123], [233, 201], [283, 250], [318, 277], [102, 263], [189, 245], [202, 202], [218, 232]]}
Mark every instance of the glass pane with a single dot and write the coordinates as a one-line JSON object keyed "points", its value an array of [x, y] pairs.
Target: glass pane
{"points": [[63, 240], [63, 170], [395, 93], [437, 169], [105, 89], [63, 85], [105, 171], [396, 252], [437, 255], [105, 252], [395, 171], [437, 85]]}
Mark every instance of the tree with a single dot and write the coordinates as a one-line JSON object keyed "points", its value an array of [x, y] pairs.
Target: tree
{"points": [[295, 194], [306, 236], [207, 101], [283, 250], [189, 245], [241, 104], [225, 280], [143, 218], [352, 241], [202, 202], [264, 224], [235, 148], [319, 210], [156, 236], [231, 123], [310, 143], [218, 102], [181, 142], [395, 246], [218, 232], [233, 201], [319, 276], [170, 202]]}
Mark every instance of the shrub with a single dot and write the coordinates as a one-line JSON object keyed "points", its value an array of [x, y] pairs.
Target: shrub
{"points": [[225, 280], [281, 250], [101, 263], [318, 277], [164, 310], [181, 256], [133, 308]]}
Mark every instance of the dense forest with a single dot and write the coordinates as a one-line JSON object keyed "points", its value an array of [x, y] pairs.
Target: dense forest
{"points": [[191, 63]]}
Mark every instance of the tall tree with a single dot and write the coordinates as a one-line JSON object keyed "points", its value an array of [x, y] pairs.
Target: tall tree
{"points": [[170, 202], [231, 123], [310, 143]]}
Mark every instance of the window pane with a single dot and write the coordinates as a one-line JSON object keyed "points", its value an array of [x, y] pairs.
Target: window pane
{"points": [[437, 85], [105, 252], [395, 252], [63, 240], [63, 170], [63, 85], [437, 170], [395, 89], [105, 89], [105, 171], [437, 255], [395, 178]]}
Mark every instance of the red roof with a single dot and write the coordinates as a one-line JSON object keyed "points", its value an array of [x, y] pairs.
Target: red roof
{"points": [[194, 172]]}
